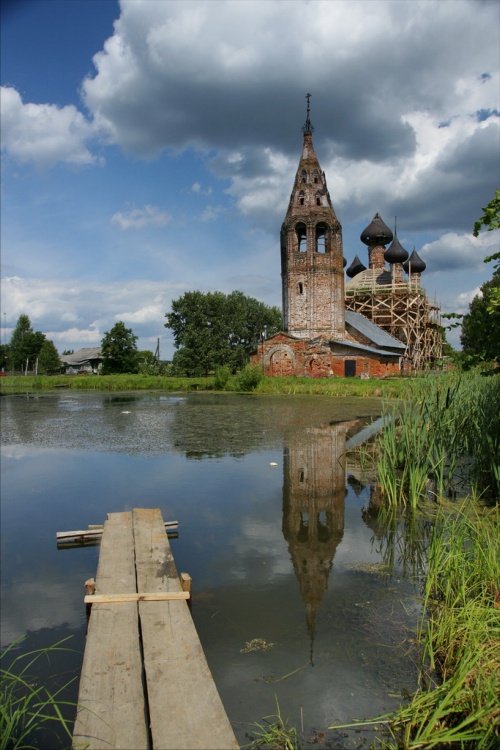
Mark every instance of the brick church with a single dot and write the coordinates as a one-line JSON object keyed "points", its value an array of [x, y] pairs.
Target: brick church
{"points": [[320, 337]]}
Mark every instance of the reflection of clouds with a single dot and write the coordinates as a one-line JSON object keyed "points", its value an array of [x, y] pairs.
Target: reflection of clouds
{"points": [[32, 605]]}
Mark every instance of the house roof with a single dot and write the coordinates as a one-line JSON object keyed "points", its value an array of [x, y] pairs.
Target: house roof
{"points": [[371, 331], [82, 355]]}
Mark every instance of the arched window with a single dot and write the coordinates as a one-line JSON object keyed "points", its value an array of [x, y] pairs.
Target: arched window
{"points": [[301, 197], [301, 234], [316, 178], [322, 236], [318, 198], [304, 175], [300, 287]]}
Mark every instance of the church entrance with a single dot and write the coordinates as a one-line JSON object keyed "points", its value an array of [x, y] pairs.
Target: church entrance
{"points": [[350, 368]]}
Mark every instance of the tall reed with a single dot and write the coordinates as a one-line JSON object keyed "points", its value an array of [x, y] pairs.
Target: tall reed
{"points": [[458, 703], [28, 708], [443, 439]]}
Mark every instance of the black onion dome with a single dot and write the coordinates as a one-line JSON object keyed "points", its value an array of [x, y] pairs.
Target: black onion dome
{"points": [[414, 263], [376, 233], [355, 268], [344, 262], [396, 253]]}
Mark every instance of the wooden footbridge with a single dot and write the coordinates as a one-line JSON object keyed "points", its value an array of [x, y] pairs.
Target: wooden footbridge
{"points": [[145, 682]]}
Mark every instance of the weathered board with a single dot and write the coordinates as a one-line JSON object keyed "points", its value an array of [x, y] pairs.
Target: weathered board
{"points": [[164, 696], [185, 709], [111, 697]]}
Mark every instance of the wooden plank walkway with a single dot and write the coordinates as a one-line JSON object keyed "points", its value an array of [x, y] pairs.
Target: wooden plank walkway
{"points": [[145, 682]]}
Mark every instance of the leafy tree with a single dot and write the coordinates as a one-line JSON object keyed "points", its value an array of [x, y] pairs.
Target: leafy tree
{"points": [[25, 344], [490, 217], [119, 350], [68, 351], [481, 326], [214, 329], [48, 359]]}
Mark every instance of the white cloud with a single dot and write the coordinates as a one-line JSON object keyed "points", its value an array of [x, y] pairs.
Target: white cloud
{"points": [[139, 218], [211, 213], [44, 134], [454, 251]]}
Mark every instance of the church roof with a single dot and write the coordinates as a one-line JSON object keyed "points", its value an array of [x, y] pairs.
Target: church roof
{"points": [[371, 331], [377, 232], [396, 253], [414, 264], [363, 348]]}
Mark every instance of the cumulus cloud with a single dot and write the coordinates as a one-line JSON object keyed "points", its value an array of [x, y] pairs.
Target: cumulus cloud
{"points": [[90, 309], [139, 218], [44, 134], [459, 252], [211, 213]]}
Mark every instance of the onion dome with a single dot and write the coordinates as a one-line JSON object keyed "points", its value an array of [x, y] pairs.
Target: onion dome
{"points": [[344, 262], [376, 233], [414, 264], [355, 268], [396, 253]]}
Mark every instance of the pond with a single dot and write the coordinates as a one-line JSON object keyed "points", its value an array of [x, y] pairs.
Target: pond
{"points": [[299, 593]]}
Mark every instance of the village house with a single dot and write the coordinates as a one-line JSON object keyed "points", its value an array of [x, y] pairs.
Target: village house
{"points": [[88, 360]]}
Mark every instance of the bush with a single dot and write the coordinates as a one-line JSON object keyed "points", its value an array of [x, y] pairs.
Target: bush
{"points": [[247, 379], [222, 377]]}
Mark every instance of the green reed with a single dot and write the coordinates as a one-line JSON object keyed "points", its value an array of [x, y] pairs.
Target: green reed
{"points": [[458, 702], [442, 438], [28, 707]]}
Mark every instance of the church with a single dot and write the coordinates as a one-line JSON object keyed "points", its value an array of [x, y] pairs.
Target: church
{"points": [[328, 329]]}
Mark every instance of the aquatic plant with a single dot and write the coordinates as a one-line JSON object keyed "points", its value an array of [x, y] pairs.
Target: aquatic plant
{"points": [[27, 706], [276, 733], [458, 703], [443, 438]]}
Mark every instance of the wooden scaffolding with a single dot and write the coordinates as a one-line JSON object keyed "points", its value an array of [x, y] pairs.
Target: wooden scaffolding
{"points": [[401, 308]]}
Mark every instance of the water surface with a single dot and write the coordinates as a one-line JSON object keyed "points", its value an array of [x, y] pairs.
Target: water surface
{"points": [[273, 531]]}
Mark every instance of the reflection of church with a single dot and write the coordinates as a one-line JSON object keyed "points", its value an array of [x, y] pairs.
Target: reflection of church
{"points": [[314, 489]]}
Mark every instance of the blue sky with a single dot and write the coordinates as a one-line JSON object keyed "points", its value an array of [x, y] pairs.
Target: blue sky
{"points": [[149, 147]]}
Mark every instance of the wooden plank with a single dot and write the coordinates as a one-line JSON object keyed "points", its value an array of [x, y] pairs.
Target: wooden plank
{"points": [[96, 530], [111, 711], [185, 709], [111, 598]]}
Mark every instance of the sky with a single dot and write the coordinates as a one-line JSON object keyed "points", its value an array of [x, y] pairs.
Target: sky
{"points": [[149, 148]]}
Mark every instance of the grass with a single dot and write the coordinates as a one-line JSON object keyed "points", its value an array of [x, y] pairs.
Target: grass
{"points": [[28, 709], [244, 381]]}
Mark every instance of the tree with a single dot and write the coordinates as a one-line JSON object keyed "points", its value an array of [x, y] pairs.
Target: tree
{"points": [[119, 350], [215, 329], [480, 335], [48, 359], [490, 217], [25, 345]]}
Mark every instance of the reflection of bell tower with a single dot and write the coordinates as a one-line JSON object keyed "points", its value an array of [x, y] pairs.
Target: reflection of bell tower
{"points": [[311, 253], [313, 510]]}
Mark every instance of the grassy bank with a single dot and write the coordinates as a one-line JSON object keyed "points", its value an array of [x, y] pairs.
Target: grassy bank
{"points": [[388, 389], [458, 705]]}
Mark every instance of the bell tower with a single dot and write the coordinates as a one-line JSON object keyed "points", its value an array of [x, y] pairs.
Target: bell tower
{"points": [[311, 253]]}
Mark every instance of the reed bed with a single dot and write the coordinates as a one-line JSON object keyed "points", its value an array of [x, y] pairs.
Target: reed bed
{"points": [[459, 701], [457, 706], [441, 440], [28, 708]]}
